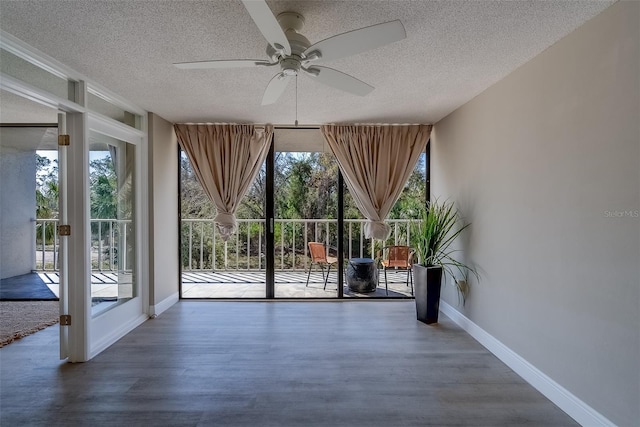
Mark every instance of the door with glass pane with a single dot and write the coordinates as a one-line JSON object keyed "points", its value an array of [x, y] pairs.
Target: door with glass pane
{"points": [[305, 225], [213, 267], [115, 230]]}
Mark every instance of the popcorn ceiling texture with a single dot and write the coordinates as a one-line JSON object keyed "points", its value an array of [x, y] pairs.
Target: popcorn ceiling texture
{"points": [[454, 50]]}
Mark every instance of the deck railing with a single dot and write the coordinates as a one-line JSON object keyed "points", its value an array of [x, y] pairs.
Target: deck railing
{"points": [[204, 250], [106, 236]]}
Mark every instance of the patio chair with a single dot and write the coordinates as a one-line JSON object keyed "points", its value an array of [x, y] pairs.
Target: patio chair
{"points": [[319, 257], [397, 258]]}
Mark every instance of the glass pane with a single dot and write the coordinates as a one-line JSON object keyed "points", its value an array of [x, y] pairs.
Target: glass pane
{"points": [[211, 267], [100, 105], [32, 74], [306, 211], [113, 231], [394, 281]]}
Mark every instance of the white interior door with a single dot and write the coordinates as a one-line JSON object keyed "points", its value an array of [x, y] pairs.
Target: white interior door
{"points": [[117, 291], [107, 271]]}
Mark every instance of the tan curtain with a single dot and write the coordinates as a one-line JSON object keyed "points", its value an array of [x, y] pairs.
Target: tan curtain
{"points": [[226, 159], [376, 161]]}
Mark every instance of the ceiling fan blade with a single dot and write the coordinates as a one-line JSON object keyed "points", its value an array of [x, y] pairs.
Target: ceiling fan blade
{"points": [[339, 80], [224, 63], [267, 24], [356, 41], [275, 88]]}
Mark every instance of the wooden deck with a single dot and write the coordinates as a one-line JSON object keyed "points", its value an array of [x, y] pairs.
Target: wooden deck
{"points": [[247, 284]]}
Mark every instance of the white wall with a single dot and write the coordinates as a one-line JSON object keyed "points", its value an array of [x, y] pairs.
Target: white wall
{"points": [[163, 214], [545, 164], [17, 210]]}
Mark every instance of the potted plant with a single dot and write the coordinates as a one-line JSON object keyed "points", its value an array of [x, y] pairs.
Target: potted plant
{"points": [[432, 238]]}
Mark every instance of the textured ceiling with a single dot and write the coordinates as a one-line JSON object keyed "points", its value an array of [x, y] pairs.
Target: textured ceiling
{"points": [[453, 51]]}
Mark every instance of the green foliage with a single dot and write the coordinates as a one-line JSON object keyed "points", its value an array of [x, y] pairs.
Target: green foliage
{"points": [[46, 188], [410, 204], [104, 189], [46, 196], [432, 238], [306, 187], [194, 201]]}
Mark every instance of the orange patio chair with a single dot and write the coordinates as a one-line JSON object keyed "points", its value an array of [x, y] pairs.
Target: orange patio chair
{"points": [[319, 257], [397, 258]]}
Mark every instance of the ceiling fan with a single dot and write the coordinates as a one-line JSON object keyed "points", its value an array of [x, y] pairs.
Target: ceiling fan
{"points": [[294, 53]]}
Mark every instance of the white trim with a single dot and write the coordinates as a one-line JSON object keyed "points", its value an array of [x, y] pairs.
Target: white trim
{"points": [[41, 96], [115, 334], [41, 60], [116, 129], [79, 268], [563, 398], [144, 226], [162, 306], [116, 321], [103, 93]]}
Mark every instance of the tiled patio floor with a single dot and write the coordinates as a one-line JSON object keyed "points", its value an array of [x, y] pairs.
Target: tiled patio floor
{"points": [[288, 284], [248, 284]]}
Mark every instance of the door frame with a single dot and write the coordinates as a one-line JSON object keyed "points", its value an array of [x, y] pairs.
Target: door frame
{"points": [[270, 225], [87, 336]]}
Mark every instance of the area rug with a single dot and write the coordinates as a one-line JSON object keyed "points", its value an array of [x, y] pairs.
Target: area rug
{"points": [[21, 318], [26, 287]]}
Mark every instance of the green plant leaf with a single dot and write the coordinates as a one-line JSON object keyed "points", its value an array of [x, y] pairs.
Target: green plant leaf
{"points": [[433, 236]]}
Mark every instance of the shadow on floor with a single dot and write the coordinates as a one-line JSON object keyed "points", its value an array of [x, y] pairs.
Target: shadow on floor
{"points": [[379, 293]]}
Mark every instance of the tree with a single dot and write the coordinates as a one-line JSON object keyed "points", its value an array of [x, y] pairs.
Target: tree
{"points": [[46, 196], [194, 201], [103, 189], [305, 187], [411, 202], [46, 188]]}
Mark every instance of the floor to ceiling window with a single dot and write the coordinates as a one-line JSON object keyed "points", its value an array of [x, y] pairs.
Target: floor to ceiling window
{"points": [[305, 198], [306, 211]]}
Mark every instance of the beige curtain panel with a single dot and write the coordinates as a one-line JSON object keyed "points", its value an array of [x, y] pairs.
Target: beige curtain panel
{"points": [[376, 161], [226, 159]]}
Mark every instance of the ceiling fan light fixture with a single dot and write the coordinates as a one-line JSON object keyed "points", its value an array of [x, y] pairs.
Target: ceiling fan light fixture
{"points": [[290, 66], [292, 51]]}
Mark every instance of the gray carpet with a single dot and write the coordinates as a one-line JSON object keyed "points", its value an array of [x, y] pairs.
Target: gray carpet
{"points": [[21, 318]]}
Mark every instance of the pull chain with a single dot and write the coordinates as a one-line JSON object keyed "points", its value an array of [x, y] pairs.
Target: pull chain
{"points": [[296, 123]]}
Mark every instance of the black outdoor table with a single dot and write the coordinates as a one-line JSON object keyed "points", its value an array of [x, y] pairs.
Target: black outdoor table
{"points": [[362, 275]]}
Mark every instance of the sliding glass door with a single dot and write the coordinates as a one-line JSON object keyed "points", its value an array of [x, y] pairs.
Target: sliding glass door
{"points": [[213, 267], [306, 225], [293, 227]]}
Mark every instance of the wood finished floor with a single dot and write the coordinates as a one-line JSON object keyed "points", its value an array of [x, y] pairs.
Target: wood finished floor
{"points": [[355, 363]]}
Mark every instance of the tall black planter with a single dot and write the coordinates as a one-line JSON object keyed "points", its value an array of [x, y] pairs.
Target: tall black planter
{"points": [[427, 282]]}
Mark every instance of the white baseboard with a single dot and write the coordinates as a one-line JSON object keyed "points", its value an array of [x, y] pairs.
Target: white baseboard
{"points": [[157, 309], [115, 335], [565, 400]]}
